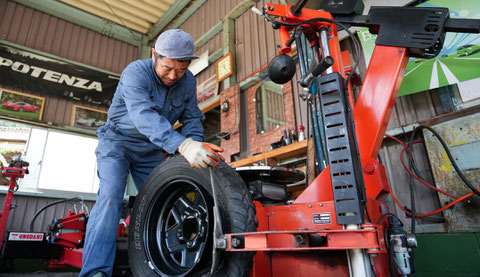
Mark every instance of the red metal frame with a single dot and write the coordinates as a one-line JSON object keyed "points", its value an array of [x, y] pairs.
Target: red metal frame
{"points": [[76, 224], [13, 173], [282, 236], [73, 239], [68, 257]]}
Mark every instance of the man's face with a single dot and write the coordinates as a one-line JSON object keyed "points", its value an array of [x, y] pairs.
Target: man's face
{"points": [[168, 70]]}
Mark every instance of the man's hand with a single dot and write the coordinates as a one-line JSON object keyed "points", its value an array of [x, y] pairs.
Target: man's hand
{"points": [[200, 154]]}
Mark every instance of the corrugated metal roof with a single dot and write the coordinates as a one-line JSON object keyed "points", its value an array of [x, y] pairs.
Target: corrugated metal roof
{"points": [[138, 15]]}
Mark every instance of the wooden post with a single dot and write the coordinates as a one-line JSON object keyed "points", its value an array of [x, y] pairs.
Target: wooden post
{"points": [[229, 46]]}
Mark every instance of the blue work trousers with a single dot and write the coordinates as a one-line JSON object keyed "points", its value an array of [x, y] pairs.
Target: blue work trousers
{"points": [[116, 157]]}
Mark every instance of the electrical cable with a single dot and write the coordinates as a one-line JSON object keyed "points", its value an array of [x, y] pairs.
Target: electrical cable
{"points": [[412, 204], [431, 213], [383, 215], [419, 179], [49, 205], [405, 147], [450, 157], [366, 213], [434, 212]]}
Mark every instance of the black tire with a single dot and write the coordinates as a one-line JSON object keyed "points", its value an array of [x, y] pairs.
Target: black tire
{"points": [[175, 198], [20, 109]]}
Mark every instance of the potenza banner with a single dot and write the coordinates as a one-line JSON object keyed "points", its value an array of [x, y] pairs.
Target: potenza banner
{"points": [[27, 71], [458, 61]]}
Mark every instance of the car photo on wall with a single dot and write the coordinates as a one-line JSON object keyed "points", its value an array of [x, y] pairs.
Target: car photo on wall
{"points": [[88, 118], [21, 105]]}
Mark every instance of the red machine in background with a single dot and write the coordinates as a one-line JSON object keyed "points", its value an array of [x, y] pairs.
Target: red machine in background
{"points": [[15, 170], [62, 243]]}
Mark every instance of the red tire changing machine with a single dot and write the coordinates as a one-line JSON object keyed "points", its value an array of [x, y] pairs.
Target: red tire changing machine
{"points": [[61, 245], [338, 226]]}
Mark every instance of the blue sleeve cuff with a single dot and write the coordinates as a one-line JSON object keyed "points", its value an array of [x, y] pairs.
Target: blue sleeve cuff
{"points": [[173, 143]]}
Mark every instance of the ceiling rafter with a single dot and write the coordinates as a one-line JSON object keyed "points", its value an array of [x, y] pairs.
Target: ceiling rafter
{"points": [[100, 9], [132, 9]]}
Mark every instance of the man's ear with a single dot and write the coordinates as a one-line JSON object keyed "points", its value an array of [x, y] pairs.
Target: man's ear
{"points": [[153, 53]]}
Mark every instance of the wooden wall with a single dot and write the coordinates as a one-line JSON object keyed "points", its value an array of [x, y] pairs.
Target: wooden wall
{"points": [[34, 29]]}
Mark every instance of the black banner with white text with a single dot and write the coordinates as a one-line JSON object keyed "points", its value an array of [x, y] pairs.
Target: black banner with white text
{"points": [[24, 70]]}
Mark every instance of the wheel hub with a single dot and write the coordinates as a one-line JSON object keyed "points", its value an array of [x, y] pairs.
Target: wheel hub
{"points": [[192, 228]]}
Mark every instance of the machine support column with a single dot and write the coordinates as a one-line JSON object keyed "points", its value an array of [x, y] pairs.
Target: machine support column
{"points": [[358, 260]]}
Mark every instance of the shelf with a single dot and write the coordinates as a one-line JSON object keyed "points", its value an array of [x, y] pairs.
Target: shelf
{"points": [[288, 151]]}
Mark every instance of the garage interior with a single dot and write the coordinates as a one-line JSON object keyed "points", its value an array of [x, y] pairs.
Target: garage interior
{"points": [[61, 60]]}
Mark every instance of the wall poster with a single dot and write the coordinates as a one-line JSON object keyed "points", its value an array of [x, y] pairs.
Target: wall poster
{"points": [[87, 118], [21, 105], [207, 89], [459, 60]]}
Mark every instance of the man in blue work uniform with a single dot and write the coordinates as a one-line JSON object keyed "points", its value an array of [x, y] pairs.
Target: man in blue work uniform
{"points": [[151, 96]]}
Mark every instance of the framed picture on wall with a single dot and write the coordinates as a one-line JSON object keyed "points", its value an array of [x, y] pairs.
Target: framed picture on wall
{"points": [[88, 118], [207, 89], [23, 105]]}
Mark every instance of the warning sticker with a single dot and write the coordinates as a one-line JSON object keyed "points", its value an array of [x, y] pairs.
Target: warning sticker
{"points": [[322, 218], [15, 236]]}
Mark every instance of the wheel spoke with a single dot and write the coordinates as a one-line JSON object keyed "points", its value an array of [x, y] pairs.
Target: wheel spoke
{"points": [[189, 258], [176, 214], [176, 247], [171, 235], [183, 204]]}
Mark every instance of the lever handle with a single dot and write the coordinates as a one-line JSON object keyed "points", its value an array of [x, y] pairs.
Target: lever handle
{"points": [[319, 69]]}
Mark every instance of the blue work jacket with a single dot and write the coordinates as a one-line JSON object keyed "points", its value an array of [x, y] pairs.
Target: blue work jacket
{"points": [[144, 109]]}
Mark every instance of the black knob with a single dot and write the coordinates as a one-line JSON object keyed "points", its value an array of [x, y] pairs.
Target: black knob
{"points": [[281, 69]]}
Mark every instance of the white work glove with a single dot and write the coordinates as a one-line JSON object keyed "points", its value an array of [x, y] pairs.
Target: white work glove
{"points": [[200, 154]]}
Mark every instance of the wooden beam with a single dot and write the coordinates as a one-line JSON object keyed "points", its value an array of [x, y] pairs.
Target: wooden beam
{"points": [[217, 28], [215, 56], [185, 15], [240, 9], [166, 18], [229, 46], [144, 50], [84, 19], [210, 105]]}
